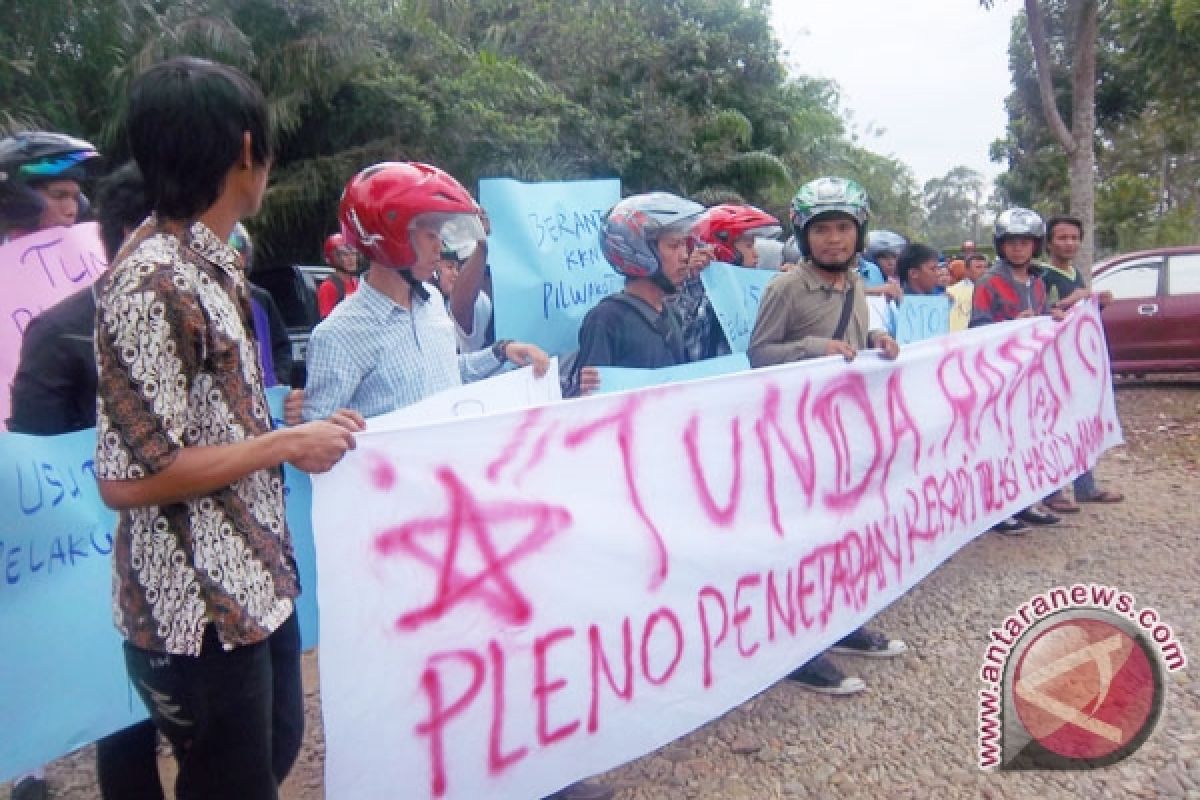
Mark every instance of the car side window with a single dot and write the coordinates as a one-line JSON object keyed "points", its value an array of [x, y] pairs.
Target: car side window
{"points": [[1183, 274], [1137, 279]]}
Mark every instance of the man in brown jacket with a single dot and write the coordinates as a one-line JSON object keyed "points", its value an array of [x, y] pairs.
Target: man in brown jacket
{"points": [[820, 309]]}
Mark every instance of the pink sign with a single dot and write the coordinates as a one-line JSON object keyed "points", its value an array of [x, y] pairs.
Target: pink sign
{"points": [[36, 271]]}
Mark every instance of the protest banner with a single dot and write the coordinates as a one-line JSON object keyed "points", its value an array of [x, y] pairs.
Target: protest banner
{"points": [[735, 293], [920, 317], [513, 602], [508, 391], [36, 271], [62, 671], [622, 379], [547, 269]]}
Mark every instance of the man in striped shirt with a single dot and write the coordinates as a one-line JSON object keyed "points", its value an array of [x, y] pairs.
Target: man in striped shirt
{"points": [[392, 342]]}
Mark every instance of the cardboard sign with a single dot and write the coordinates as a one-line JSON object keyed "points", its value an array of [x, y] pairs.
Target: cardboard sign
{"points": [[36, 271], [547, 269], [735, 293]]}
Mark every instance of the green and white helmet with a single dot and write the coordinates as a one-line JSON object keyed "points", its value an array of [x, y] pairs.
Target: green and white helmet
{"points": [[829, 196]]}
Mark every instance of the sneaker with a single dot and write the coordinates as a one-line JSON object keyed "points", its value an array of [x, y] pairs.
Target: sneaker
{"points": [[584, 790], [822, 676], [869, 643], [1011, 526], [31, 789]]}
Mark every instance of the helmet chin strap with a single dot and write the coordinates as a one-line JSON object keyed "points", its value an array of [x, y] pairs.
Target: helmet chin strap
{"points": [[661, 281], [418, 289]]}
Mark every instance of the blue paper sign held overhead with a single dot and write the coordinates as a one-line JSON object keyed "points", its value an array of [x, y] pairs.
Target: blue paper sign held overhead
{"points": [[621, 379], [920, 317], [547, 269], [735, 293]]}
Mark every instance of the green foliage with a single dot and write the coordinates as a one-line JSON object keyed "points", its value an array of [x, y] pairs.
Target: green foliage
{"points": [[955, 204], [1147, 137], [684, 95]]}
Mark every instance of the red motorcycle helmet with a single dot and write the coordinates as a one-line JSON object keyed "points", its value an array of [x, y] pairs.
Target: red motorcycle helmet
{"points": [[721, 226], [333, 243], [381, 204]]}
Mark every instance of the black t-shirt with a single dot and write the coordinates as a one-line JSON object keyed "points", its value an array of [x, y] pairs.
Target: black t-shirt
{"points": [[626, 331], [1059, 285]]}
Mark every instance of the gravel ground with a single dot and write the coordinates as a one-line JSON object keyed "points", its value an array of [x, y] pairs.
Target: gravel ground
{"points": [[913, 733]]}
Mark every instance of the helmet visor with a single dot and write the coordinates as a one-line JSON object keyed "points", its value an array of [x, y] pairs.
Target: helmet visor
{"points": [[459, 232], [67, 165], [765, 232]]}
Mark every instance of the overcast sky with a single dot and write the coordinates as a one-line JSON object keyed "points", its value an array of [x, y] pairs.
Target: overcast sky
{"points": [[932, 73]]}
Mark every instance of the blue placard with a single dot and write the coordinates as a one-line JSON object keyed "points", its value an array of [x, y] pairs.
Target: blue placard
{"points": [[62, 671], [620, 379], [921, 317], [547, 269], [297, 490], [735, 293]]}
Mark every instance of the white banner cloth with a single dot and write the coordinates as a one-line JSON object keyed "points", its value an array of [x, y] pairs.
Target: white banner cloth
{"points": [[513, 602]]}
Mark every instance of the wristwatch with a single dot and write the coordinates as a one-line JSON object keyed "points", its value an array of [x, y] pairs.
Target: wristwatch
{"points": [[499, 348]]}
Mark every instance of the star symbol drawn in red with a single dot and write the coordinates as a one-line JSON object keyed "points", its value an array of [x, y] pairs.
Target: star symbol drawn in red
{"points": [[468, 522]]}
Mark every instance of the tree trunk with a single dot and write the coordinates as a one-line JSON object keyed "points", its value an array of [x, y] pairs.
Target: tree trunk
{"points": [[1083, 125], [1078, 140]]}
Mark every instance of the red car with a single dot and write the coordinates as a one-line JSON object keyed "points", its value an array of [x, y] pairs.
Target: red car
{"points": [[1153, 323]]}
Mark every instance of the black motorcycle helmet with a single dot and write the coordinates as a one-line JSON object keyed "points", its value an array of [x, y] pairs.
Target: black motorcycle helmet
{"points": [[34, 158]]}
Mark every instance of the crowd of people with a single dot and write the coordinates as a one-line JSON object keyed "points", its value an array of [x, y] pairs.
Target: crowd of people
{"points": [[168, 356]]}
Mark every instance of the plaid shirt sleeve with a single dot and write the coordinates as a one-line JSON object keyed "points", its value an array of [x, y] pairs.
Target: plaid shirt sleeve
{"points": [[478, 365], [334, 373]]}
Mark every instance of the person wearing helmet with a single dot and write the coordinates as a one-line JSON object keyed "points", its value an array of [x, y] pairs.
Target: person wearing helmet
{"points": [[54, 392], [830, 217], [649, 239], [726, 233], [1013, 289], [393, 342], [344, 280], [204, 577], [884, 249], [40, 181], [40, 187], [820, 309], [733, 232]]}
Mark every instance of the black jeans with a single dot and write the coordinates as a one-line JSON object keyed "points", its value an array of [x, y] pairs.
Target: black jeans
{"points": [[234, 718], [127, 764]]}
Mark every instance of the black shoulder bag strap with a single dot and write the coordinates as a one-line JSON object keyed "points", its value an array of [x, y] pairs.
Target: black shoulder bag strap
{"points": [[847, 308]]}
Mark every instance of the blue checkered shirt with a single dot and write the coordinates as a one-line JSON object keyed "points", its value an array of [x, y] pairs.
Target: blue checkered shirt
{"points": [[374, 356]]}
